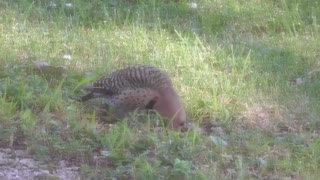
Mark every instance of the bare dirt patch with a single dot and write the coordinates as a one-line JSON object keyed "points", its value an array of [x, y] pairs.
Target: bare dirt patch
{"points": [[17, 164]]}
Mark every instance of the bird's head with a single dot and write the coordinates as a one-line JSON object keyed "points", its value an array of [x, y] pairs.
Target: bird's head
{"points": [[179, 119], [169, 106]]}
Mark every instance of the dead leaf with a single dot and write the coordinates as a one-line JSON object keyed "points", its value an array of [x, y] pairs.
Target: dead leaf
{"points": [[49, 72]]}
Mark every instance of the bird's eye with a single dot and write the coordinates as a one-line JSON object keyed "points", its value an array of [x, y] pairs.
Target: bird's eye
{"points": [[182, 124]]}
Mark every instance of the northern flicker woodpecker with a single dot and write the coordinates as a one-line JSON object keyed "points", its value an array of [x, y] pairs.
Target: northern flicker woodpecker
{"points": [[140, 87]]}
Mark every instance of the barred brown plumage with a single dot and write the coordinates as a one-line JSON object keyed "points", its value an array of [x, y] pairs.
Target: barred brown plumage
{"points": [[140, 87]]}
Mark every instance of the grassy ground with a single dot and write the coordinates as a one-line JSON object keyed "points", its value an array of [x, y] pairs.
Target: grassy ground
{"points": [[243, 68]]}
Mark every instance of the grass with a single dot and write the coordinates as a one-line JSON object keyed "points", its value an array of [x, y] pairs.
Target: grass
{"points": [[231, 62]]}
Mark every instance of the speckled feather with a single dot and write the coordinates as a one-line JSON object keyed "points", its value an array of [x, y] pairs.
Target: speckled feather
{"points": [[133, 82], [141, 76], [139, 86]]}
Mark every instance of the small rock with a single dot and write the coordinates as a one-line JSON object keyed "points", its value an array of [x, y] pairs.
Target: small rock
{"points": [[69, 5], [193, 5], [67, 57]]}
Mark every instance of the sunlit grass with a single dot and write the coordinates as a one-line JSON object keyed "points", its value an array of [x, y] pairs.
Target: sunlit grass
{"points": [[231, 62]]}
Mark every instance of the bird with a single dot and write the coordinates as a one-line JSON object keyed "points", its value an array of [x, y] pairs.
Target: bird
{"points": [[140, 87]]}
